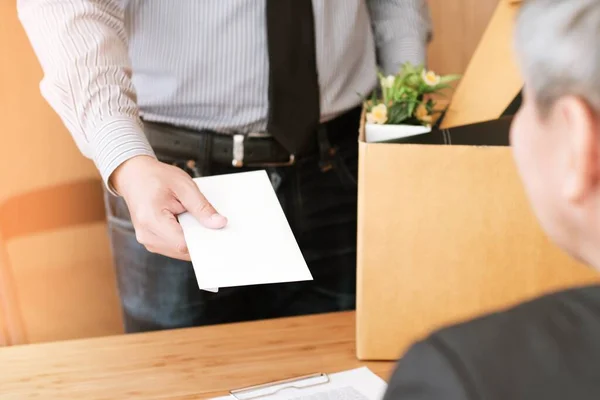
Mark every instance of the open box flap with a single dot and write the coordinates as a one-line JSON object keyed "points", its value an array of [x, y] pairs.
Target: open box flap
{"points": [[492, 79]]}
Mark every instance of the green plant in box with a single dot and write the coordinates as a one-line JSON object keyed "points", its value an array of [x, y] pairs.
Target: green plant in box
{"points": [[406, 98]]}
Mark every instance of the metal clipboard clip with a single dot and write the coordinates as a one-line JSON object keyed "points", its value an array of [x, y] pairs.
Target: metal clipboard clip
{"points": [[272, 388]]}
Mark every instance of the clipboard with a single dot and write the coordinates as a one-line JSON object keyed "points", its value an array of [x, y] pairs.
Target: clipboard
{"points": [[272, 388]]}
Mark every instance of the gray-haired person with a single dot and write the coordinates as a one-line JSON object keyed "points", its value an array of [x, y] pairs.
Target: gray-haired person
{"points": [[548, 348]]}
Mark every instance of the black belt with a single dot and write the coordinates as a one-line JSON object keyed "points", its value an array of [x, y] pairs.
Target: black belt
{"points": [[237, 150]]}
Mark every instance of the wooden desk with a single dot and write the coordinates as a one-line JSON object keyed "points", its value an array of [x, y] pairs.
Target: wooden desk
{"points": [[193, 363]]}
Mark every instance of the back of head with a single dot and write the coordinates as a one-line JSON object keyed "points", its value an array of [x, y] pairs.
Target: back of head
{"points": [[558, 49], [556, 134]]}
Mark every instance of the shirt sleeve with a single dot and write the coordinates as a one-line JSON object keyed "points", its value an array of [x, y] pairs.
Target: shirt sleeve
{"points": [[402, 30], [82, 48]]}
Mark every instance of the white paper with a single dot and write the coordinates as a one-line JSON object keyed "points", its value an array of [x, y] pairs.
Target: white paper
{"points": [[257, 246], [356, 384]]}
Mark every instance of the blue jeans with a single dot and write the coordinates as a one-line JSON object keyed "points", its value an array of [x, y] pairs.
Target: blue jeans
{"points": [[158, 292]]}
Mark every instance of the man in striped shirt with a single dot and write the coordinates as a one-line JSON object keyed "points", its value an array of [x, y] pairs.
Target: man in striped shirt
{"points": [[198, 73]]}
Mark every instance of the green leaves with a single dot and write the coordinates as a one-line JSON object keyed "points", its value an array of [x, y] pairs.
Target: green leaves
{"points": [[429, 106], [449, 78], [405, 95], [399, 112]]}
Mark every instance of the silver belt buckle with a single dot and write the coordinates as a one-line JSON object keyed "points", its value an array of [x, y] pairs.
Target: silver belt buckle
{"points": [[238, 151], [238, 156]]}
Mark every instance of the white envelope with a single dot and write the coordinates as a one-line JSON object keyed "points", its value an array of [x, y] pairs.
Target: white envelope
{"points": [[257, 246]]}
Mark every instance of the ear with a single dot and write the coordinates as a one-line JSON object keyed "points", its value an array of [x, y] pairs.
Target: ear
{"points": [[581, 136]]}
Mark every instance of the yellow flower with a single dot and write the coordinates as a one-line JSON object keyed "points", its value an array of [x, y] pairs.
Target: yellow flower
{"points": [[430, 78], [422, 114], [378, 114], [388, 81]]}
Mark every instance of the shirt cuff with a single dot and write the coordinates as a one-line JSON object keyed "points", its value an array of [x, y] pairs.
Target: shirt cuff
{"points": [[118, 140]]}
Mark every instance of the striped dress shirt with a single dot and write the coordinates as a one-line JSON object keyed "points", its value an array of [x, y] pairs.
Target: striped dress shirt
{"points": [[201, 64]]}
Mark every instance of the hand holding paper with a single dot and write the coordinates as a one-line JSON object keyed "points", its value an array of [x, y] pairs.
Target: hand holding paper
{"points": [[155, 193], [257, 246]]}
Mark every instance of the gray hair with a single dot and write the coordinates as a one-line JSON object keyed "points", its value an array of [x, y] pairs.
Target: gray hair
{"points": [[558, 48]]}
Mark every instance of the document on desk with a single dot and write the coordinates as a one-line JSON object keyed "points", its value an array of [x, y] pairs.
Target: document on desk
{"points": [[356, 384], [256, 247]]}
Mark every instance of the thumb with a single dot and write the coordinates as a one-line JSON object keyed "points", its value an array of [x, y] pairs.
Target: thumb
{"points": [[196, 204]]}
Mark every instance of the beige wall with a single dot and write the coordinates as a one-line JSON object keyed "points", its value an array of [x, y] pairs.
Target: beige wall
{"points": [[458, 26], [28, 124], [63, 280]]}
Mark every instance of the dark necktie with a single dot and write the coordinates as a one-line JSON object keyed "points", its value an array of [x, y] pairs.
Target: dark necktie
{"points": [[293, 81]]}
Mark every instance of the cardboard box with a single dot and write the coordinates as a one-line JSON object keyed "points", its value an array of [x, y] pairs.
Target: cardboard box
{"points": [[445, 232], [492, 78]]}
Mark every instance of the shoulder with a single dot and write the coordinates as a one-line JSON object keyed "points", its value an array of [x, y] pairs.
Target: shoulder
{"points": [[545, 348], [561, 314], [425, 373], [539, 346]]}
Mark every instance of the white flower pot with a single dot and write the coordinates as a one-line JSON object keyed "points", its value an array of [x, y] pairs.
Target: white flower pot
{"points": [[379, 133]]}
